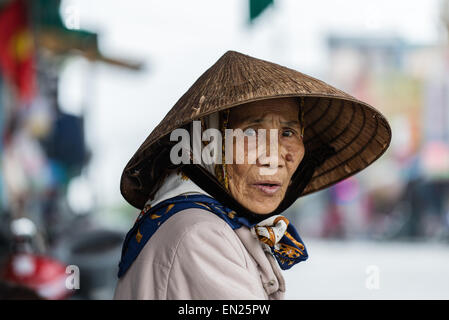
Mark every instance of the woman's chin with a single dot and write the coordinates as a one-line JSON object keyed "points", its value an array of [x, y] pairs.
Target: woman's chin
{"points": [[260, 203], [265, 207]]}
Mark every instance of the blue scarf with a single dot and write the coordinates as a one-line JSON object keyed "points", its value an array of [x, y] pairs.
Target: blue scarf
{"points": [[288, 251]]}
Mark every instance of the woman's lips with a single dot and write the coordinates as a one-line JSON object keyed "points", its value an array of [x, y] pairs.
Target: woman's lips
{"points": [[268, 188]]}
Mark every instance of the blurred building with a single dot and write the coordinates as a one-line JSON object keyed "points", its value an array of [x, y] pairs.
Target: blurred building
{"points": [[404, 194]]}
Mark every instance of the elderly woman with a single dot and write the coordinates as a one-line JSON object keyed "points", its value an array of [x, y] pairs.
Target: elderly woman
{"points": [[210, 226]]}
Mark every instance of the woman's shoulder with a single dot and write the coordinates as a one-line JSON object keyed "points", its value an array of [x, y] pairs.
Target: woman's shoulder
{"points": [[193, 218], [195, 228], [195, 225]]}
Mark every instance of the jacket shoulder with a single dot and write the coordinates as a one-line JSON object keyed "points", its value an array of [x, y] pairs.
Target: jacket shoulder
{"points": [[149, 274], [191, 227], [185, 220]]}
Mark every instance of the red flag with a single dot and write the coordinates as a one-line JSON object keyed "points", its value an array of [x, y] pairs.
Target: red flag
{"points": [[17, 49]]}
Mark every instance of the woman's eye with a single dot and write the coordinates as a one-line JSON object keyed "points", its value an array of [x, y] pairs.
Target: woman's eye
{"points": [[287, 133], [250, 132]]}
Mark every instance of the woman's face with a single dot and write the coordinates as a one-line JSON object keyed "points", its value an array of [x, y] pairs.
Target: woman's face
{"points": [[259, 190]]}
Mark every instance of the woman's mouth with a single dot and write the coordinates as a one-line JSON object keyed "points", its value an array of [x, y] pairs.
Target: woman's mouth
{"points": [[268, 188]]}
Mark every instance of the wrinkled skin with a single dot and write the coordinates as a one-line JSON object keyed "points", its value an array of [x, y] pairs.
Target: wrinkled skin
{"points": [[261, 192]]}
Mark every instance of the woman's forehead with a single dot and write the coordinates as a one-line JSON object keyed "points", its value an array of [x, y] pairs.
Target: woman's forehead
{"points": [[286, 109]]}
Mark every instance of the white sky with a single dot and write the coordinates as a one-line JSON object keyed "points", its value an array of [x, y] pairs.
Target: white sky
{"points": [[179, 40]]}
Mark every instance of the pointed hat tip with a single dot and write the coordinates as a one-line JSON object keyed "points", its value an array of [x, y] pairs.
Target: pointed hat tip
{"points": [[233, 53]]}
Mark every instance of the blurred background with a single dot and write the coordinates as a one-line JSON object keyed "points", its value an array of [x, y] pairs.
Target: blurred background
{"points": [[82, 84]]}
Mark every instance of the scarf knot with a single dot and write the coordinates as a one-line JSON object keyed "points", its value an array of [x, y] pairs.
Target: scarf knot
{"points": [[283, 240]]}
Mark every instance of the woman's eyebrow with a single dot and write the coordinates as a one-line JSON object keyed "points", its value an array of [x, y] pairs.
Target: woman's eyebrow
{"points": [[249, 120], [291, 123]]}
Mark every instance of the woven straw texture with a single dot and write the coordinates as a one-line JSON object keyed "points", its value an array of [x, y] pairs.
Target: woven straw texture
{"points": [[359, 133]]}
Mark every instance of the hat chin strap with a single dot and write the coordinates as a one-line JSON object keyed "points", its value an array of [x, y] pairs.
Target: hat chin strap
{"points": [[301, 178]]}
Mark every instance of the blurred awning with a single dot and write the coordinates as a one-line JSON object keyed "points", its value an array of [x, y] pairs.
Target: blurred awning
{"points": [[78, 42], [52, 35]]}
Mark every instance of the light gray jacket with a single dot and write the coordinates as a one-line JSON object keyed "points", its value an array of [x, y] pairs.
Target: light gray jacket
{"points": [[196, 255]]}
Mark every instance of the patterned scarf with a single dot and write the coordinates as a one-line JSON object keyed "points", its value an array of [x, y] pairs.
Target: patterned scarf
{"points": [[276, 231]]}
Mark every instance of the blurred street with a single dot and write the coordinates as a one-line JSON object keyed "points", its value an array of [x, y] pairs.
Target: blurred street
{"points": [[348, 270]]}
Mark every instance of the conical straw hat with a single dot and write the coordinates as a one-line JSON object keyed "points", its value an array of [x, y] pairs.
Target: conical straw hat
{"points": [[357, 132]]}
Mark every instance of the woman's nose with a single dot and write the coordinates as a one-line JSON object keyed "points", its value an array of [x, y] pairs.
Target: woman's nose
{"points": [[272, 154]]}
